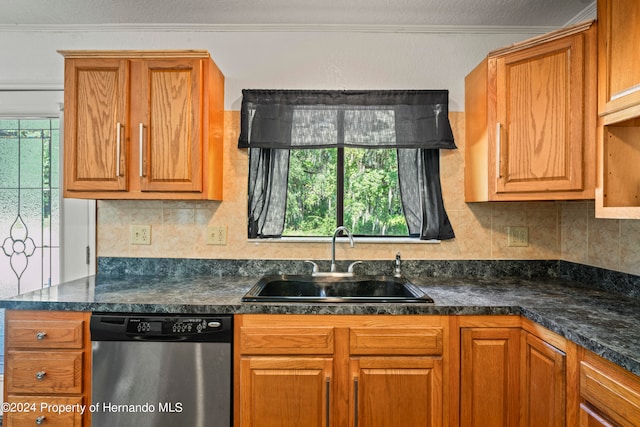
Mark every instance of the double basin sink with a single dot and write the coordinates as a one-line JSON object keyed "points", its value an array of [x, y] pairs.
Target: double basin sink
{"points": [[330, 289]]}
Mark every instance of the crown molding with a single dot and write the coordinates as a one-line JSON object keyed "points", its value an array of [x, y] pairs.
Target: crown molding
{"points": [[589, 12], [321, 28]]}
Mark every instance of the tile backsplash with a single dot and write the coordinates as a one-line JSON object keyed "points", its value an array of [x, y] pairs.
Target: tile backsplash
{"points": [[557, 230]]}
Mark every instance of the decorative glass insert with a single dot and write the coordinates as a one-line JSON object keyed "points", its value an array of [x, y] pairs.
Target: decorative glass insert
{"points": [[29, 207]]}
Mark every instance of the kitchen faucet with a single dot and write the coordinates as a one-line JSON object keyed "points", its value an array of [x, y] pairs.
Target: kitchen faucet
{"points": [[333, 245], [333, 272]]}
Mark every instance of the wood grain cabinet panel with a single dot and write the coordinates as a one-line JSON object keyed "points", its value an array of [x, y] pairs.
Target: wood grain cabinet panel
{"points": [[396, 391], [170, 134], [96, 103], [286, 392], [45, 334], [489, 376], [530, 112], [143, 125], [287, 340], [543, 384], [44, 372]]}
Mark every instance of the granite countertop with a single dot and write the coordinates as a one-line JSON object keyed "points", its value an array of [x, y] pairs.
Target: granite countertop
{"points": [[604, 322]]}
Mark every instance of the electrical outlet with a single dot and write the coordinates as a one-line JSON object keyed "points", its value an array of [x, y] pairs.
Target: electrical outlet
{"points": [[518, 236], [140, 234], [217, 235]]}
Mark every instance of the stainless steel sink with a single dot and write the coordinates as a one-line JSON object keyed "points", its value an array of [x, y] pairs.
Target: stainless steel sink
{"points": [[301, 288]]}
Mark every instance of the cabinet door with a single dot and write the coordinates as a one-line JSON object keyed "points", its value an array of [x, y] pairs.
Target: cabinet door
{"points": [[539, 140], [285, 391], [95, 97], [543, 384], [168, 131], [396, 391], [489, 377], [619, 58]]}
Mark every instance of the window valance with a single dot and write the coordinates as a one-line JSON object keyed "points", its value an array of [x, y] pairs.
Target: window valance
{"points": [[294, 119]]}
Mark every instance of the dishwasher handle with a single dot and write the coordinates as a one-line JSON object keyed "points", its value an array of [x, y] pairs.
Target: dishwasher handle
{"points": [[159, 338]]}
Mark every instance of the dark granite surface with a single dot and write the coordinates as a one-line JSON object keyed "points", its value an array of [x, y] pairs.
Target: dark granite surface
{"points": [[605, 322]]}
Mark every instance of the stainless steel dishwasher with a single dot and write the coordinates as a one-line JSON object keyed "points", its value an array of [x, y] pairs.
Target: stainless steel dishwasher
{"points": [[161, 370]]}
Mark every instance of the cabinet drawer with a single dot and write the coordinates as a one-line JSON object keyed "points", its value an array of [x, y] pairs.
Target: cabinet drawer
{"points": [[287, 340], [45, 334], [44, 372], [44, 410], [616, 396], [405, 340]]}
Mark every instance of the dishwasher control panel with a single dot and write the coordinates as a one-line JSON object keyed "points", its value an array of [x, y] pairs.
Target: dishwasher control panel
{"points": [[179, 328], [146, 325]]}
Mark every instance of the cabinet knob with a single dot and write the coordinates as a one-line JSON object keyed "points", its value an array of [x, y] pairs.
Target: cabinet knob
{"points": [[40, 420], [40, 375], [41, 335]]}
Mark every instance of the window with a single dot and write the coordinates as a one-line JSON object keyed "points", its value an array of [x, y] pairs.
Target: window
{"points": [[354, 187], [368, 160]]}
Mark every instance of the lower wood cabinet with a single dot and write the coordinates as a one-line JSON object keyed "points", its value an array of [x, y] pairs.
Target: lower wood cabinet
{"points": [[48, 364], [340, 370], [513, 373], [542, 383], [352, 371], [396, 391], [287, 391], [609, 395], [489, 376]]}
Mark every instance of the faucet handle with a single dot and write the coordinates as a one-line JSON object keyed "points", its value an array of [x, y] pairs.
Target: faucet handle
{"points": [[315, 267], [350, 269], [396, 270]]}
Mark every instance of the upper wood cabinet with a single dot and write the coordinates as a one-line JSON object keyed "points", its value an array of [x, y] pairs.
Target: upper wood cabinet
{"points": [[618, 150], [143, 125], [619, 63], [530, 112]]}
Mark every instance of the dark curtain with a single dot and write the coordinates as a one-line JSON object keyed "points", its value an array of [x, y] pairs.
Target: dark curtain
{"points": [[415, 122], [268, 178], [421, 194]]}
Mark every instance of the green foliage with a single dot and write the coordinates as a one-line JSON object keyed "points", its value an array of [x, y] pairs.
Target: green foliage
{"points": [[371, 194], [311, 196]]}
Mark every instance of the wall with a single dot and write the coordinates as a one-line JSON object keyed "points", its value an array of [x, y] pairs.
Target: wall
{"points": [[324, 60]]}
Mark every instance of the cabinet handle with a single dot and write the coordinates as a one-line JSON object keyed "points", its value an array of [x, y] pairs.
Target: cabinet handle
{"points": [[118, 147], [498, 141], [328, 397], [40, 420], [141, 141], [41, 335], [355, 402], [40, 375]]}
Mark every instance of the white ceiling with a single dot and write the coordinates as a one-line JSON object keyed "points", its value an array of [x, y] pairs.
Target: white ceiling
{"points": [[499, 13]]}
